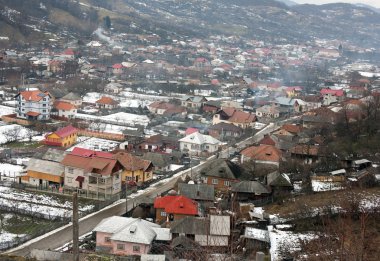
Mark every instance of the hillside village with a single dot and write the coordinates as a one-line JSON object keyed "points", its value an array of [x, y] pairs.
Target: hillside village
{"points": [[217, 148]]}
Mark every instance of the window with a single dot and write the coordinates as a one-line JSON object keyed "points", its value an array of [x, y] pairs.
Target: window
{"points": [[227, 183], [120, 247], [136, 248], [117, 176], [107, 239], [163, 214], [44, 105], [128, 178], [43, 110], [69, 180], [70, 170], [215, 181]]}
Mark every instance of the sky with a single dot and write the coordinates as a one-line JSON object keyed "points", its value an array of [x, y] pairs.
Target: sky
{"points": [[375, 3]]}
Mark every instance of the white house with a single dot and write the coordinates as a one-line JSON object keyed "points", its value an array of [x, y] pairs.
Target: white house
{"points": [[196, 143], [64, 109], [34, 105]]}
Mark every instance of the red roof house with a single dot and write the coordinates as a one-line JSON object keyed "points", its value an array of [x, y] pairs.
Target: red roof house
{"points": [[174, 207]]}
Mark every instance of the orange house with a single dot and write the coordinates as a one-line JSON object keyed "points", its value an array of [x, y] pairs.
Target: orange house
{"points": [[64, 137]]}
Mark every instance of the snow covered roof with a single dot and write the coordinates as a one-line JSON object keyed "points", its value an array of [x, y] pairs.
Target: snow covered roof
{"points": [[257, 234], [198, 138], [134, 230]]}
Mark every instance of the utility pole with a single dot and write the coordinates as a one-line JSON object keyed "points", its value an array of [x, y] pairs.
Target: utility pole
{"points": [[75, 228]]}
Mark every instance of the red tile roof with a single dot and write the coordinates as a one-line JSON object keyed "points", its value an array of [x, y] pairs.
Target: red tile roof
{"points": [[33, 113], [66, 131], [36, 95], [102, 163], [64, 106], [262, 153], [107, 100], [267, 140], [177, 205], [132, 163], [338, 93], [292, 128]]}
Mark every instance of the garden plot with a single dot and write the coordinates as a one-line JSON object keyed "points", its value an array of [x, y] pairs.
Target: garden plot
{"points": [[92, 97], [120, 118], [15, 132], [40, 205], [95, 144]]}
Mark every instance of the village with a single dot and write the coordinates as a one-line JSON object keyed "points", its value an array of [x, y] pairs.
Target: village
{"points": [[214, 137]]}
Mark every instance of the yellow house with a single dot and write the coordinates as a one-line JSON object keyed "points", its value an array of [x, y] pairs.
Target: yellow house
{"points": [[64, 137], [44, 173], [135, 169]]}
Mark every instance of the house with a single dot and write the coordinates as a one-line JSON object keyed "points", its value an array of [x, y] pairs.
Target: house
{"points": [[174, 207], [293, 91], [319, 117], [128, 236], [157, 143], [279, 183], [113, 88], [106, 103], [72, 98], [64, 110], [134, 168], [264, 154], [238, 118], [212, 231], [331, 96], [64, 137], [117, 69], [92, 172], [197, 143], [193, 102], [250, 191], [211, 106], [204, 194], [160, 107], [221, 173], [307, 103], [34, 105], [268, 111], [308, 153], [162, 161], [225, 130], [44, 173], [202, 63]]}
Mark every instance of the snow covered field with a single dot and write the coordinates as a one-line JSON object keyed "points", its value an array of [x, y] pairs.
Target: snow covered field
{"points": [[15, 132], [319, 186], [120, 118], [45, 206], [95, 144], [5, 110], [127, 99]]}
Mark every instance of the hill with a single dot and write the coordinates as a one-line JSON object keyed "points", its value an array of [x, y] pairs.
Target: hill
{"points": [[267, 20]]}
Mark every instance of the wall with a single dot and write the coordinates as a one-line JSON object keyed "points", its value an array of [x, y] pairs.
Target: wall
{"points": [[128, 248]]}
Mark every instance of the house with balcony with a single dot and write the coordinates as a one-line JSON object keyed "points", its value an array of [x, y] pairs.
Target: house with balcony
{"points": [[34, 105], [193, 103], [92, 172]]}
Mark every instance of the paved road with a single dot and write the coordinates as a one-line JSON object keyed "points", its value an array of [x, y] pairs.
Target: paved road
{"points": [[63, 235]]}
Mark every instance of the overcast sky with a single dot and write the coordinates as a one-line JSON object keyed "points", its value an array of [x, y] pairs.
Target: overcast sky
{"points": [[375, 3]]}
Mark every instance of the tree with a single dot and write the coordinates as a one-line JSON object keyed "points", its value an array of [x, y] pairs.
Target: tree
{"points": [[107, 22]]}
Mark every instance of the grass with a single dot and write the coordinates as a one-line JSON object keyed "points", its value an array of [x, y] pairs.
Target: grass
{"points": [[318, 200], [23, 144], [21, 224]]}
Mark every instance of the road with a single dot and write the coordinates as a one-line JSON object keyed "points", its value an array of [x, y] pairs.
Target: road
{"points": [[63, 235]]}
